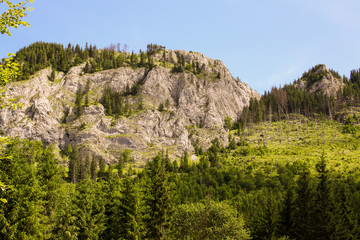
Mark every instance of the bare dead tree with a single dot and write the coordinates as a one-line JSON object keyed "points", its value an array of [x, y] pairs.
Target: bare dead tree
{"points": [[112, 46], [125, 48]]}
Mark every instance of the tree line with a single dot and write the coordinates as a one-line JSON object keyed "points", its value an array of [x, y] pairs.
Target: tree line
{"points": [[170, 199], [41, 55]]}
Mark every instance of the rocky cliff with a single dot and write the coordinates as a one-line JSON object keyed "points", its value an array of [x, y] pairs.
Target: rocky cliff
{"points": [[193, 107]]}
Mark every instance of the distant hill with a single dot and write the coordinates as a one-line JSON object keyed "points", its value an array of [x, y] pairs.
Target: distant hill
{"points": [[320, 92], [321, 79]]}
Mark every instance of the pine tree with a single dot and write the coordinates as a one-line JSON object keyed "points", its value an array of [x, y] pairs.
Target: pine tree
{"points": [[74, 164], [303, 206], [52, 75], [93, 168], [264, 221], [89, 209], [78, 99], [325, 219], [184, 162], [85, 168], [102, 168], [158, 201], [51, 181], [24, 214], [131, 226], [347, 224], [120, 166], [87, 100], [161, 107], [87, 90], [286, 221], [65, 225], [168, 165]]}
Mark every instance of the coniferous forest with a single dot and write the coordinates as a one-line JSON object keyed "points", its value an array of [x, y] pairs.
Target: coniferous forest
{"points": [[212, 199], [290, 170]]}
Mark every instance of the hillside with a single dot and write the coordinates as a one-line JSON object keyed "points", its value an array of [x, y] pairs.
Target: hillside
{"points": [[154, 101]]}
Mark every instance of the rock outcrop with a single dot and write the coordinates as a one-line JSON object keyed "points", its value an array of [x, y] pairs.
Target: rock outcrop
{"points": [[321, 79], [194, 108]]}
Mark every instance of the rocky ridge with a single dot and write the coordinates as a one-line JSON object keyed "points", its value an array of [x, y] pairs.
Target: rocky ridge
{"points": [[195, 108]]}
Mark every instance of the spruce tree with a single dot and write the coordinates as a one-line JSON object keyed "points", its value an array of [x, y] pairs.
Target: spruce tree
{"points": [[347, 223], [130, 223], [102, 168], [74, 164], [93, 168], [303, 206], [158, 201], [184, 162], [325, 208], [51, 181], [120, 166], [78, 99], [52, 75], [89, 209], [286, 221]]}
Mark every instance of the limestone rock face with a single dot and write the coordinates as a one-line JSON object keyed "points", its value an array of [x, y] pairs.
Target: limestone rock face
{"points": [[328, 83], [194, 108]]}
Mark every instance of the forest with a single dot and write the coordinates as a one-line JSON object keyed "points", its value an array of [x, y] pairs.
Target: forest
{"points": [[232, 192]]}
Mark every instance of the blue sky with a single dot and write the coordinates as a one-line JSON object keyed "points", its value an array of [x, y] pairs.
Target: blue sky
{"points": [[266, 43]]}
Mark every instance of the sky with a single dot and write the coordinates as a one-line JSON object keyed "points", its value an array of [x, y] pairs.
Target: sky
{"points": [[265, 43]]}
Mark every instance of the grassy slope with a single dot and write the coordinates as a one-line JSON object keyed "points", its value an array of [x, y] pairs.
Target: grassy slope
{"points": [[302, 140]]}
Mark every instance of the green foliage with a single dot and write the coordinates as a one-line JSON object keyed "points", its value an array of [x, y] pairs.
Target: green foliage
{"points": [[3, 188], [326, 220], [161, 107], [40, 55], [118, 103], [158, 201], [250, 196], [154, 48], [78, 102], [228, 124], [349, 126], [12, 17], [30, 198], [209, 220], [9, 70], [89, 209], [113, 103], [52, 75], [104, 59], [131, 225]]}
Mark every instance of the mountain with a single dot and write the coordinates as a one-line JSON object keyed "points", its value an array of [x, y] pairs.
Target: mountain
{"points": [[168, 106]]}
